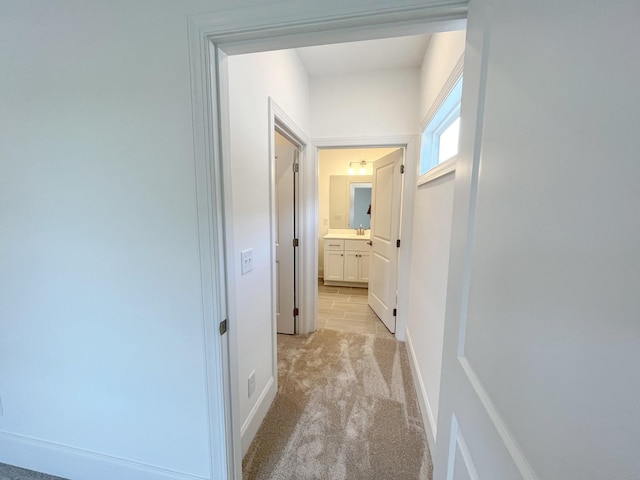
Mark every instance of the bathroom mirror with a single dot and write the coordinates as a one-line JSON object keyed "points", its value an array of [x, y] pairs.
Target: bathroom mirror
{"points": [[349, 197], [360, 205]]}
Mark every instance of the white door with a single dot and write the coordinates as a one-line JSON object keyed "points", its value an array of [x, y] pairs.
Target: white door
{"points": [[286, 154], [540, 362], [386, 194]]}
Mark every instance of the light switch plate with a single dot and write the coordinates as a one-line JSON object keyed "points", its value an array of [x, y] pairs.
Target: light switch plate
{"points": [[246, 260]]}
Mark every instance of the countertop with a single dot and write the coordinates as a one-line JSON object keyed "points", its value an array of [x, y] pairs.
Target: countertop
{"points": [[348, 236]]}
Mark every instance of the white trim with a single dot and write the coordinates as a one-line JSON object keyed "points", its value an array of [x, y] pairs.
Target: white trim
{"points": [[281, 25], [451, 451], [369, 142], [308, 229], [448, 165], [251, 29], [29, 452], [438, 171], [412, 157], [257, 414], [405, 228], [510, 443], [466, 456], [428, 420], [225, 243], [453, 78], [210, 207], [309, 242]]}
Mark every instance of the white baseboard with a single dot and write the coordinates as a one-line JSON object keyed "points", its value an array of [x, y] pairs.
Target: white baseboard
{"points": [[255, 418], [78, 464], [430, 423]]}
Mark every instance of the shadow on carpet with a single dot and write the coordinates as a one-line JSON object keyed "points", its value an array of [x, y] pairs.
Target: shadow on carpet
{"points": [[9, 472], [346, 408]]}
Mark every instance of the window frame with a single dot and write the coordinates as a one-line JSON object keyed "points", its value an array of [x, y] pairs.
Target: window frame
{"points": [[444, 111]]}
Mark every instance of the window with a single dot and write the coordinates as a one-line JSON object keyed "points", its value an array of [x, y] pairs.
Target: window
{"points": [[441, 135]]}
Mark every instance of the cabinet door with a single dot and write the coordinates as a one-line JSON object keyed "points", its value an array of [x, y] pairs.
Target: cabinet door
{"points": [[351, 266], [333, 265], [363, 264]]}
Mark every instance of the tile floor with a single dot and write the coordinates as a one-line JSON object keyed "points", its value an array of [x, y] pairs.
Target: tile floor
{"points": [[346, 309]]}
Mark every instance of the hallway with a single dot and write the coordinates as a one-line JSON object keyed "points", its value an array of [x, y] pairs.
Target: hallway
{"points": [[346, 406]]}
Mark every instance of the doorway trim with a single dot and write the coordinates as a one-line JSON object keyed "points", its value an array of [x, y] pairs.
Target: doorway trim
{"points": [[211, 38], [411, 145], [306, 213]]}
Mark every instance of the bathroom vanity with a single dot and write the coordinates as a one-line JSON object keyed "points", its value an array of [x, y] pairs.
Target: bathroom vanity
{"points": [[346, 259]]}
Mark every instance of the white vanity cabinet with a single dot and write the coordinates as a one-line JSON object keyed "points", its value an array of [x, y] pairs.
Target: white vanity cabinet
{"points": [[346, 261]]}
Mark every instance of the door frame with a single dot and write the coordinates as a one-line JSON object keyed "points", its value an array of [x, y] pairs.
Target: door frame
{"points": [[211, 38], [411, 158], [305, 213]]}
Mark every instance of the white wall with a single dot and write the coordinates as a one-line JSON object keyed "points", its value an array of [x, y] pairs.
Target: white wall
{"points": [[381, 103], [253, 79], [430, 245], [101, 344]]}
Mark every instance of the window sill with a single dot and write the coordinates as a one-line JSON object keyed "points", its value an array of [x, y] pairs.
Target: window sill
{"points": [[438, 171]]}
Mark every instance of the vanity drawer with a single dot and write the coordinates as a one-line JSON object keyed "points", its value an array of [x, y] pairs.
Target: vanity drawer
{"points": [[334, 244], [359, 245]]}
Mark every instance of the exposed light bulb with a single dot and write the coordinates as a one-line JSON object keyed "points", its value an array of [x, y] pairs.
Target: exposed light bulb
{"points": [[363, 170], [351, 171]]}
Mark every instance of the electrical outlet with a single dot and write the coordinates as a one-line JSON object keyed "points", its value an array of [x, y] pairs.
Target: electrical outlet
{"points": [[252, 383], [246, 260]]}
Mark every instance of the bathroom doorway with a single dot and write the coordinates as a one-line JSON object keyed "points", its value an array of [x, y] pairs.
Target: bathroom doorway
{"points": [[345, 177]]}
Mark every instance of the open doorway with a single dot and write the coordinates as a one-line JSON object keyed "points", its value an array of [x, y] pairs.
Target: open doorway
{"points": [[356, 202], [285, 212], [247, 315]]}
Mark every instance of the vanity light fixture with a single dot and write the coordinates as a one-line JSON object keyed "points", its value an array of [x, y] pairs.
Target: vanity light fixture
{"points": [[363, 167]]}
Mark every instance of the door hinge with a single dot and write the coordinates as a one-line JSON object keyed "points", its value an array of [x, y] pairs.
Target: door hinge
{"points": [[296, 242], [398, 243], [402, 168], [223, 327], [296, 312], [296, 167], [395, 312]]}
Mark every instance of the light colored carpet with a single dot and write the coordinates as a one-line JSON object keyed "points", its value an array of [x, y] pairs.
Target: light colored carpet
{"points": [[8, 472], [346, 408]]}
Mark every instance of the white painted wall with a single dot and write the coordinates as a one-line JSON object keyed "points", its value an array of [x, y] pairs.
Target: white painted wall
{"points": [[253, 79], [368, 104], [430, 245], [101, 343]]}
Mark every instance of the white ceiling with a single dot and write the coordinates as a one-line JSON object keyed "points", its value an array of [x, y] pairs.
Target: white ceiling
{"points": [[382, 54]]}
